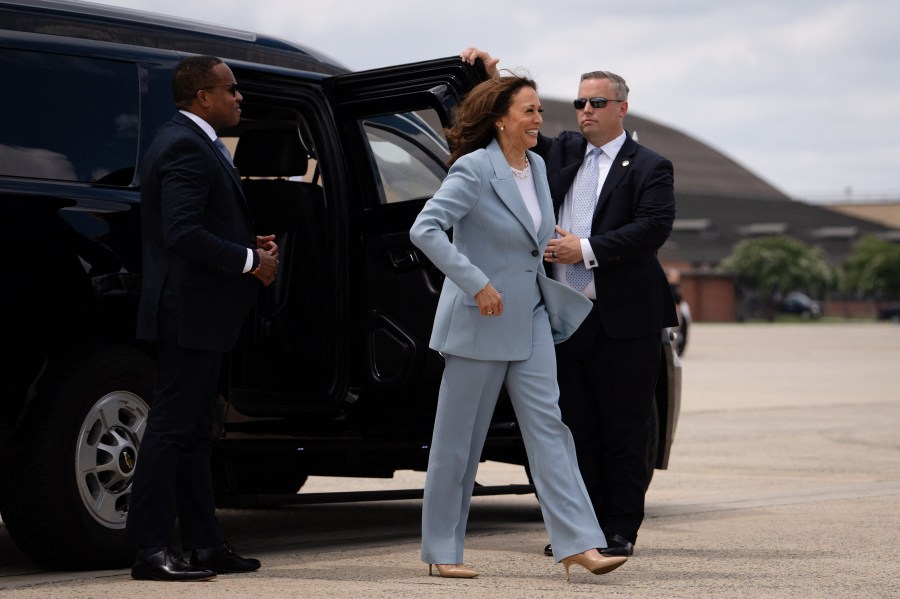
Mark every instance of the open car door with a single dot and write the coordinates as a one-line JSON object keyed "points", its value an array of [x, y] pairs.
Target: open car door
{"points": [[391, 122]]}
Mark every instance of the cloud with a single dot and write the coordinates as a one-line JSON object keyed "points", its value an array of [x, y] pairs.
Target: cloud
{"points": [[804, 93]]}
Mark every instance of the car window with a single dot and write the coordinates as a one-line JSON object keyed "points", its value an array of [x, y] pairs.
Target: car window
{"points": [[410, 155], [68, 118]]}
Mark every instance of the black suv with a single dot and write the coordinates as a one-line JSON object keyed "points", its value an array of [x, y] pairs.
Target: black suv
{"points": [[333, 375]]}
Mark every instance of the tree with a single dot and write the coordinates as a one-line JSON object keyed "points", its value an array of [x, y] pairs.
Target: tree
{"points": [[773, 266], [873, 270]]}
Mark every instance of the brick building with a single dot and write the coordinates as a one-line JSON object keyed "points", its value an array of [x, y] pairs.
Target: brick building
{"points": [[720, 203]]}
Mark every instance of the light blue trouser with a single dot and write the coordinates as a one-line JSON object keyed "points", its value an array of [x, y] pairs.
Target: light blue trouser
{"points": [[468, 394]]}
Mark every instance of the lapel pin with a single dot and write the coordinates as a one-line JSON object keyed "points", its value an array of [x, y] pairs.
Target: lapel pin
{"points": [[625, 163]]}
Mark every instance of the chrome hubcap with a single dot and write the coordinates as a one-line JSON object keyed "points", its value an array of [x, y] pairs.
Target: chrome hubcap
{"points": [[106, 454]]}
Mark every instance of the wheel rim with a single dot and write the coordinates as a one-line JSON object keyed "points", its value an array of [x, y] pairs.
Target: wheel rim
{"points": [[107, 450]]}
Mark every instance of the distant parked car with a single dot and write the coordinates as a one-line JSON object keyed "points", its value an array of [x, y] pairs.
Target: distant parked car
{"points": [[683, 311], [797, 302], [684, 323], [890, 312]]}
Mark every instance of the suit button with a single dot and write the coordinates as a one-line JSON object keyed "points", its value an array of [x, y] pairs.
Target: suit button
{"points": [[534, 253]]}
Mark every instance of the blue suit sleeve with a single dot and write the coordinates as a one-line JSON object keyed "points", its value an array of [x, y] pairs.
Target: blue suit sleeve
{"points": [[456, 198]]}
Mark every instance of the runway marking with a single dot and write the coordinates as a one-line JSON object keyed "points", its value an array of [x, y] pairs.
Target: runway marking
{"points": [[815, 495]]}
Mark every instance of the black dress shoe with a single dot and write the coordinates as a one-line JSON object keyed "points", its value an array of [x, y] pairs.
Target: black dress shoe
{"points": [[223, 560], [548, 550], [167, 565], [618, 545]]}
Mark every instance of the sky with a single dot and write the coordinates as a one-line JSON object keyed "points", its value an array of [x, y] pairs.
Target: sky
{"points": [[806, 94]]}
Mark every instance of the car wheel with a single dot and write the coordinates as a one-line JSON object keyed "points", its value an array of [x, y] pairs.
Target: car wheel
{"points": [[681, 339], [652, 441], [65, 497], [531, 479]]}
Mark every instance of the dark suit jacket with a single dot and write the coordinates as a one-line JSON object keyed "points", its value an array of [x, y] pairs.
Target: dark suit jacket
{"points": [[632, 220], [196, 229]]}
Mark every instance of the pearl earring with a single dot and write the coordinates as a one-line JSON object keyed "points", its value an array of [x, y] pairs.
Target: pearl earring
{"points": [[502, 127]]}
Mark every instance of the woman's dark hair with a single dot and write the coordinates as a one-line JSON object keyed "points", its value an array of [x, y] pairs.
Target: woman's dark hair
{"points": [[190, 76], [474, 125]]}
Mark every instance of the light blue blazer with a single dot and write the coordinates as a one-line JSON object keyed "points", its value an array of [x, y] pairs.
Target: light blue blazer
{"points": [[493, 241]]}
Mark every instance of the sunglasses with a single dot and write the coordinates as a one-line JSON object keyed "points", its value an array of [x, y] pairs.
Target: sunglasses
{"points": [[595, 102], [232, 87]]}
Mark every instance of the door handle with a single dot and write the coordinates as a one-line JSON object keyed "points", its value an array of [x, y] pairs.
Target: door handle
{"points": [[403, 258]]}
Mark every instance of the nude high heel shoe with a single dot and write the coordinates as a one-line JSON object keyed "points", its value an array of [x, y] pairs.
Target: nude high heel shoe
{"points": [[453, 571], [598, 564]]}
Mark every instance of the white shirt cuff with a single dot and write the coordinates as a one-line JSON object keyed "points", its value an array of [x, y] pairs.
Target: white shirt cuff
{"points": [[248, 263], [587, 253]]}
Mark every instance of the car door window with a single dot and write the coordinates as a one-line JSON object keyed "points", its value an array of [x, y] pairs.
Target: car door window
{"points": [[82, 118], [410, 154]]}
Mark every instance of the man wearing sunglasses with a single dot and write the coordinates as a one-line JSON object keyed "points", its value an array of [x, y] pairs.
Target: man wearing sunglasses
{"points": [[203, 264], [615, 204]]}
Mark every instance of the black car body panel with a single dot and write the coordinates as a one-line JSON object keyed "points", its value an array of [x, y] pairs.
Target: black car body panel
{"points": [[332, 375]]}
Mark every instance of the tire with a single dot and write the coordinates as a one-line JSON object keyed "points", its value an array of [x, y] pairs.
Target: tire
{"points": [[531, 480], [681, 339], [65, 497], [653, 441]]}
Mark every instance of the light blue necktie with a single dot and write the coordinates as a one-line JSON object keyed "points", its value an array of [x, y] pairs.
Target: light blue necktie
{"points": [[221, 145], [585, 200]]}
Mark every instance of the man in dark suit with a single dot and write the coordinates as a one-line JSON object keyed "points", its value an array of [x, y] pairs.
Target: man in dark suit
{"points": [[615, 205], [202, 267]]}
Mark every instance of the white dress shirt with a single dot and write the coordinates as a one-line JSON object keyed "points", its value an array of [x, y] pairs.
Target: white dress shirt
{"points": [[529, 195], [604, 162]]}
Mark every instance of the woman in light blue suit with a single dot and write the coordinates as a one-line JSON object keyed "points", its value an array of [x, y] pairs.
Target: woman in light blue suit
{"points": [[497, 320]]}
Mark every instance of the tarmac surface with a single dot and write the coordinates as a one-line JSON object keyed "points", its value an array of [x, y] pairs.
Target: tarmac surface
{"points": [[784, 482]]}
